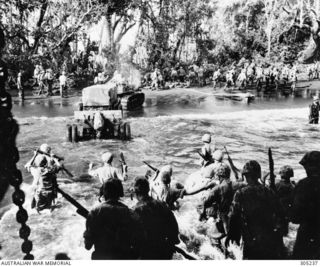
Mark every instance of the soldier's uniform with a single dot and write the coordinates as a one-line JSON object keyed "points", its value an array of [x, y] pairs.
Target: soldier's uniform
{"points": [[314, 112], [108, 171], [306, 209], [157, 220], [162, 190], [256, 216], [112, 228], [284, 190], [221, 196]]}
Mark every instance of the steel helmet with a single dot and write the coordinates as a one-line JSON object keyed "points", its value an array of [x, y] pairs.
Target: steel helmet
{"points": [[223, 171], [252, 167], [286, 171], [112, 188], [311, 160], [218, 155], [107, 157], [141, 185], [206, 138], [45, 148]]}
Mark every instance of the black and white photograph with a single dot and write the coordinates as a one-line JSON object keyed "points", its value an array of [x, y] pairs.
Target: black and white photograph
{"points": [[184, 130]]}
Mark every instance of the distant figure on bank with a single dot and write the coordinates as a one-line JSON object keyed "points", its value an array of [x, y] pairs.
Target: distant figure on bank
{"points": [[314, 111], [284, 191], [158, 222], [111, 228], [19, 85], [49, 81], [63, 83], [306, 209]]}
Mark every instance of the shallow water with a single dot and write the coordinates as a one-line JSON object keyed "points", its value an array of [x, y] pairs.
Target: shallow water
{"points": [[167, 130]]}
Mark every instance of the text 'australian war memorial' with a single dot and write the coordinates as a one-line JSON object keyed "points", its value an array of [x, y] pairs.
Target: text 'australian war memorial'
{"points": [[159, 130]]}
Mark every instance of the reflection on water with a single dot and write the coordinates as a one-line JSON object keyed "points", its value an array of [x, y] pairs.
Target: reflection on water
{"points": [[167, 130]]}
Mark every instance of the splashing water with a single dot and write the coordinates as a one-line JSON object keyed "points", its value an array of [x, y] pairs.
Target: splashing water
{"points": [[159, 140]]}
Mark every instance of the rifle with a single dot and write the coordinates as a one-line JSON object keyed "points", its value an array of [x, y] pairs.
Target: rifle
{"points": [[271, 168], [152, 168], [122, 160], [80, 209], [59, 159], [84, 213], [233, 167], [49, 155], [210, 160]]}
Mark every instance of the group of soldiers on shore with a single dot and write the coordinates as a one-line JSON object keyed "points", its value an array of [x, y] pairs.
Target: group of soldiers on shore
{"points": [[250, 73], [252, 209]]}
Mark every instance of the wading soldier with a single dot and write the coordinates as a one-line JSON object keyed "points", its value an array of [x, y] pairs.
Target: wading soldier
{"points": [[256, 216], [314, 111], [44, 170], [285, 187], [220, 198], [107, 171], [160, 225], [306, 209]]}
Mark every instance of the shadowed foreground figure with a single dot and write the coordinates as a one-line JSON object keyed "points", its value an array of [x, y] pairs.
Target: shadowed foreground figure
{"points": [[306, 209], [160, 225], [284, 190], [110, 227], [257, 217]]}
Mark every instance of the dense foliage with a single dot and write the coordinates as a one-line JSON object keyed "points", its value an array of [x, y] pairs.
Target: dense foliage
{"points": [[168, 31]]}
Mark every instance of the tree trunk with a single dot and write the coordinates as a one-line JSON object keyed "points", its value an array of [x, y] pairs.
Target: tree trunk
{"points": [[110, 33]]}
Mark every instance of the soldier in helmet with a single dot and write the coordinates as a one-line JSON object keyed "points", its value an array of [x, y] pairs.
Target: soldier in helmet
{"points": [[305, 209], [207, 150], [160, 225], [209, 167], [314, 111], [220, 198], [44, 170], [256, 216], [162, 188], [284, 189], [107, 171], [111, 228]]}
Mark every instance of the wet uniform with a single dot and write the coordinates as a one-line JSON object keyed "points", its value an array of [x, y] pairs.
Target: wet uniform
{"points": [[220, 199], [306, 212], [160, 226], [113, 231], [167, 194], [45, 181], [106, 172], [256, 215], [284, 191]]}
